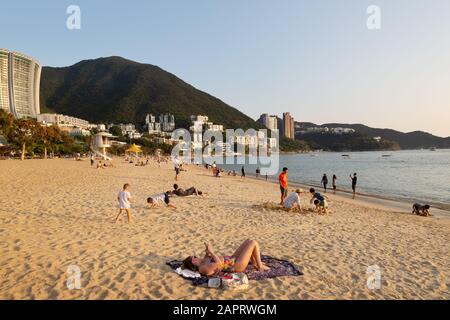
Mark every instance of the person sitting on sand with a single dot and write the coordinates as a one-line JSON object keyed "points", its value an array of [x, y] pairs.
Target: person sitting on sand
{"points": [[317, 196], [292, 202], [124, 199], [422, 210], [211, 264], [158, 199], [185, 193], [100, 165]]}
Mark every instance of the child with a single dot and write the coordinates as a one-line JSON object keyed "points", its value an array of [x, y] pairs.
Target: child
{"points": [[158, 199], [322, 200], [124, 198], [320, 208], [421, 210]]}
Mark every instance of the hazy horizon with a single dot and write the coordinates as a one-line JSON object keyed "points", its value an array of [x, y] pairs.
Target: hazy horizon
{"points": [[318, 60]]}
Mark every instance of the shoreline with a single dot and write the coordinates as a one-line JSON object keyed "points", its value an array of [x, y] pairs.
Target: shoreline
{"points": [[372, 200]]}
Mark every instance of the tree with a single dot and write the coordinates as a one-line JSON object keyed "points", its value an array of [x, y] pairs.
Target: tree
{"points": [[50, 137], [25, 133], [116, 131], [7, 122]]}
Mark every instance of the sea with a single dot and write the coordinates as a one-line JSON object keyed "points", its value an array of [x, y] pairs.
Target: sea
{"points": [[407, 175]]}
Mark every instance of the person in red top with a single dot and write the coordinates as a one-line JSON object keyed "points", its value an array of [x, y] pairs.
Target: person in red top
{"points": [[283, 179]]}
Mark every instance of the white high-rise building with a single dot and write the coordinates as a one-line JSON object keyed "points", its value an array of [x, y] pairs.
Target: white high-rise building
{"points": [[20, 78], [271, 122]]}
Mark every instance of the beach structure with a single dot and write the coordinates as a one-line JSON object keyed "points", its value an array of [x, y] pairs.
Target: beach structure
{"points": [[134, 150], [20, 78], [100, 143]]}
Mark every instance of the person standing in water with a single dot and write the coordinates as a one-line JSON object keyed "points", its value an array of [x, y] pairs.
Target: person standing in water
{"points": [[334, 183], [324, 182], [354, 182]]}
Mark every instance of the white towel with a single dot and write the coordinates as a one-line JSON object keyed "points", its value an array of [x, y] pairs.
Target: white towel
{"points": [[188, 273]]}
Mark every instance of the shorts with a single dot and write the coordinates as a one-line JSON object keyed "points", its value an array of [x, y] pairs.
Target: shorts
{"points": [[177, 171], [324, 203], [354, 187], [166, 198], [284, 191]]}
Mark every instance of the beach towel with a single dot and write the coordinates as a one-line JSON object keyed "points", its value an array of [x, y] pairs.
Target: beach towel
{"points": [[278, 268]]}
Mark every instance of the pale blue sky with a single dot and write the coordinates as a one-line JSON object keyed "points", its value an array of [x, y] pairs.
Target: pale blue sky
{"points": [[316, 59]]}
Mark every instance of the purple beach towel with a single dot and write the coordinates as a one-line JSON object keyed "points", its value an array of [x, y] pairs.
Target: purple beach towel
{"points": [[278, 268]]}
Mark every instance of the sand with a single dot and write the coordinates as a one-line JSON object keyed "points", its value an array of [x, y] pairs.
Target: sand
{"points": [[57, 213]]}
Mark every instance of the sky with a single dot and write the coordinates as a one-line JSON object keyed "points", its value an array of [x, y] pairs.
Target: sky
{"points": [[316, 59]]}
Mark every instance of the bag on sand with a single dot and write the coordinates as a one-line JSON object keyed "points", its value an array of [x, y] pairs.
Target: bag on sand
{"points": [[235, 281]]}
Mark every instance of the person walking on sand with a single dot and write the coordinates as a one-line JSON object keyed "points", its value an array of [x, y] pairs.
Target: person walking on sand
{"points": [[243, 172], [176, 164], [324, 182], [334, 183], [258, 172], [124, 198], [92, 160], [354, 182], [283, 180]]}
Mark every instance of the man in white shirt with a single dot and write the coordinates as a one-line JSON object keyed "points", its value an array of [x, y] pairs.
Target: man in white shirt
{"points": [[293, 202], [124, 198]]}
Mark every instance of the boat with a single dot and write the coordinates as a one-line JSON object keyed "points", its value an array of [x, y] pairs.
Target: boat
{"points": [[433, 149], [386, 155]]}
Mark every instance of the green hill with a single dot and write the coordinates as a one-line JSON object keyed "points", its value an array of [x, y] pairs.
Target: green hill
{"points": [[410, 140], [114, 89]]}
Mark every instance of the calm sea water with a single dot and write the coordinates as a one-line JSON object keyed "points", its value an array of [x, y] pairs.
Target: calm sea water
{"points": [[417, 175]]}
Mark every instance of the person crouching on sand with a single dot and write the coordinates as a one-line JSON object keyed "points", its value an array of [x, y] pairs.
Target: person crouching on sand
{"points": [[421, 210], [292, 202], [321, 208], [157, 200], [322, 200], [124, 199]]}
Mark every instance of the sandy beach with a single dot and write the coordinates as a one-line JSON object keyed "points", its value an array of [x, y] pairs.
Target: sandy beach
{"points": [[57, 213]]}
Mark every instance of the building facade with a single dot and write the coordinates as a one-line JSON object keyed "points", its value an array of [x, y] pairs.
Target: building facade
{"points": [[61, 120], [167, 122], [270, 122], [20, 78], [288, 126]]}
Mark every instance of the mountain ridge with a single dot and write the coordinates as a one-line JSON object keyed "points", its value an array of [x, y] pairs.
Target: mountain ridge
{"points": [[115, 89], [409, 140]]}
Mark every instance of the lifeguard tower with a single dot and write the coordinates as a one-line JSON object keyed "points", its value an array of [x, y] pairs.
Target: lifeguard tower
{"points": [[101, 141]]}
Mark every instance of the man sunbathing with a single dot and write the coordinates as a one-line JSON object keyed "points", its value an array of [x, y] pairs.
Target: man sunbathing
{"points": [[185, 193], [212, 263], [157, 200]]}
